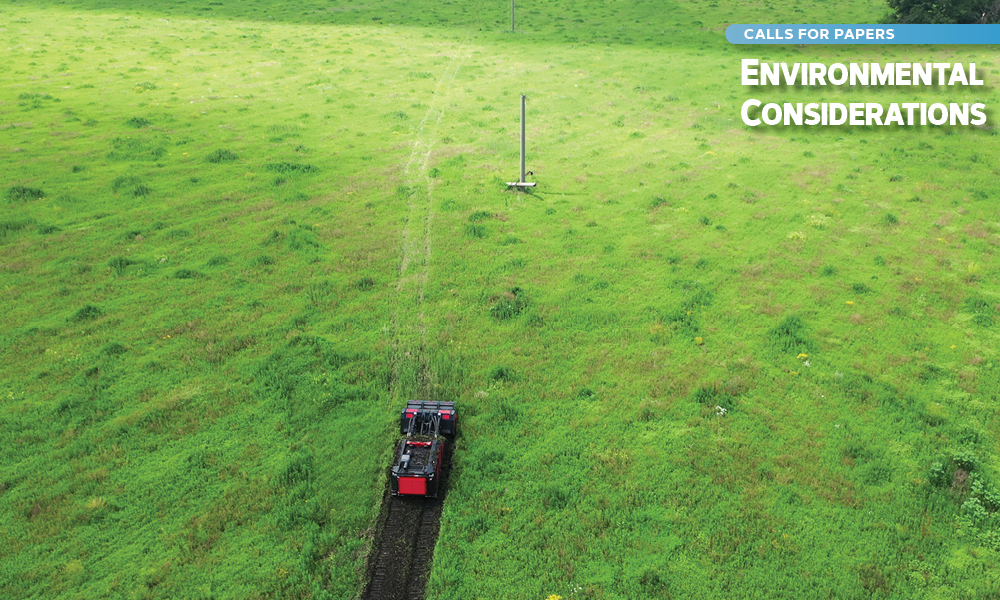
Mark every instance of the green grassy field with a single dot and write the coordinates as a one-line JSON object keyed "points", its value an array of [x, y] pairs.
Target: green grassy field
{"points": [[699, 361]]}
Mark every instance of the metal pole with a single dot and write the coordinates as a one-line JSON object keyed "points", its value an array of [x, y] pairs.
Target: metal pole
{"points": [[522, 138], [512, 16]]}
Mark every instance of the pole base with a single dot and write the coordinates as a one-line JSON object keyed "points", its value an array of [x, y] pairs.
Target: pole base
{"points": [[521, 184]]}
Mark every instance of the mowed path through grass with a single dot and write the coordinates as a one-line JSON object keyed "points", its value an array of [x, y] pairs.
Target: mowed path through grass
{"points": [[415, 252]]}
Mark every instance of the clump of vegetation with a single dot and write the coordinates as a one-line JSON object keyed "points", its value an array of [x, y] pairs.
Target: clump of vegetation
{"points": [[718, 395], [186, 274], [138, 122], [364, 284], [88, 313], [475, 230], [658, 202], [114, 349], [509, 304], [503, 373], [20, 193], [135, 148], [222, 156], [118, 264], [791, 336], [289, 167], [983, 311], [13, 226], [263, 260]]}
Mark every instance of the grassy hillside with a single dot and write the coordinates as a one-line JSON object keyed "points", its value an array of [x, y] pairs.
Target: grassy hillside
{"points": [[699, 361]]}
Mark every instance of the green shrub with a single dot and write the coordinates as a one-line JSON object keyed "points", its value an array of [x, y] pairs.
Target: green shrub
{"points": [[138, 122]]}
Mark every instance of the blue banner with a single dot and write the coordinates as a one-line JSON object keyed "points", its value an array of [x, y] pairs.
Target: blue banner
{"points": [[863, 34]]}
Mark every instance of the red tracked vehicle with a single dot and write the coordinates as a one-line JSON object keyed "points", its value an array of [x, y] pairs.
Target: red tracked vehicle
{"points": [[416, 468]]}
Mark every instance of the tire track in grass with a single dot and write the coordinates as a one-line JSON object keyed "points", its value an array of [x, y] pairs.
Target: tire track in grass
{"points": [[410, 330], [407, 529]]}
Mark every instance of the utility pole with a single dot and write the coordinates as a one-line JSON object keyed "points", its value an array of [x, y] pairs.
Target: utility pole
{"points": [[522, 139], [521, 183]]}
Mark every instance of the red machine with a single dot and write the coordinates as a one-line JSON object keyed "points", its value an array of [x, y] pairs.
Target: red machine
{"points": [[416, 469]]}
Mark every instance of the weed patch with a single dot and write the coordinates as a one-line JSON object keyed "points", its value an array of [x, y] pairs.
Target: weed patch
{"points": [[791, 336], [118, 264], [88, 313], [186, 274], [509, 304], [717, 395], [20, 193], [135, 149], [222, 156], [14, 226], [502, 373], [263, 260], [289, 167]]}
